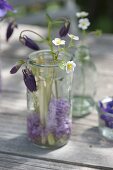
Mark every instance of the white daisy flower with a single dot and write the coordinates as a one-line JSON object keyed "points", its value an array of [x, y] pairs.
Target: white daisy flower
{"points": [[84, 23], [82, 14], [70, 66], [73, 37], [58, 41]]}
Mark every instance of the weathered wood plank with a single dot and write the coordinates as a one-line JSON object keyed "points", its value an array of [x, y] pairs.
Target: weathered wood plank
{"points": [[17, 162]]}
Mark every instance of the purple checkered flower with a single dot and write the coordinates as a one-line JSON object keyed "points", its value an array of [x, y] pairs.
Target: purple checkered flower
{"points": [[106, 106], [4, 8]]}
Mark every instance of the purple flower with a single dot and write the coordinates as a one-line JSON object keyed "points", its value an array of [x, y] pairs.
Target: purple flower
{"points": [[63, 128], [29, 80], [64, 29], [10, 29], [34, 126], [106, 106], [4, 8], [29, 43], [15, 68], [108, 120], [58, 118], [59, 106]]}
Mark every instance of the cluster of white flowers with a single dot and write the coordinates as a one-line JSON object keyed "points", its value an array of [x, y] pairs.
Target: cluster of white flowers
{"points": [[83, 22], [70, 65]]}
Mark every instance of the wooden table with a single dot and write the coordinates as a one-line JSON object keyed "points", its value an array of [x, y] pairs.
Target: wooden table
{"points": [[86, 150]]}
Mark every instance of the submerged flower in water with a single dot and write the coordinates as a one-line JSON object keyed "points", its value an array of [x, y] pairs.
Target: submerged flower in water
{"points": [[82, 14], [10, 29], [73, 37], [70, 66], [106, 106], [29, 80], [29, 42], [34, 126], [64, 29], [58, 41], [84, 23], [4, 8]]}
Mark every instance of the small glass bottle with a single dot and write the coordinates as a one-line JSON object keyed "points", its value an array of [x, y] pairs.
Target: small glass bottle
{"points": [[84, 83]]}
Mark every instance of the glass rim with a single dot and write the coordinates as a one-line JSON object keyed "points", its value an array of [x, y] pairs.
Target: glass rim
{"points": [[31, 56]]}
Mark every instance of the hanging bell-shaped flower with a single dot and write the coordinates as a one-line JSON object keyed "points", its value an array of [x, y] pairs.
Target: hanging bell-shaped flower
{"points": [[15, 68], [10, 29], [29, 80], [29, 42], [64, 29]]}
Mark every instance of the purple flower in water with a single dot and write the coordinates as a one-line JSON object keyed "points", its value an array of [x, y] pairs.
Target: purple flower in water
{"points": [[4, 8], [10, 29], [64, 29], [34, 126], [108, 120], [58, 120], [29, 80], [59, 106], [29, 43], [63, 128], [106, 106]]}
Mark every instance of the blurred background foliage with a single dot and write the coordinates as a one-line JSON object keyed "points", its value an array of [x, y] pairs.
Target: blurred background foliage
{"points": [[100, 11], [101, 14]]}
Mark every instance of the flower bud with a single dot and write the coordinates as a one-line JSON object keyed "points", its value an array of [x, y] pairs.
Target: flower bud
{"points": [[29, 43], [29, 80], [10, 29], [64, 29], [15, 68]]}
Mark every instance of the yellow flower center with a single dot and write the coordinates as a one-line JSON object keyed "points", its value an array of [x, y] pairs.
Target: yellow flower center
{"points": [[69, 66], [58, 41]]}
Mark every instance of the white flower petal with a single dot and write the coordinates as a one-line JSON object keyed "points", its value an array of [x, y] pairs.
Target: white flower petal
{"points": [[73, 37], [82, 14]]}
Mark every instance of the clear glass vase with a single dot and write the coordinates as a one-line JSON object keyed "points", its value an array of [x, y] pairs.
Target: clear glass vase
{"points": [[84, 87], [49, 119]]}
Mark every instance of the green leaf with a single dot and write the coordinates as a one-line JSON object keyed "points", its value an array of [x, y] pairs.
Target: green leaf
{"points": [[21, 61]]}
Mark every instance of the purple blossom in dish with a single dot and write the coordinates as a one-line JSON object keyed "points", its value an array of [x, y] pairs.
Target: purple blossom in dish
{"points": [[34, 126], [4, 8], [106, 106], [108, 120]]}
